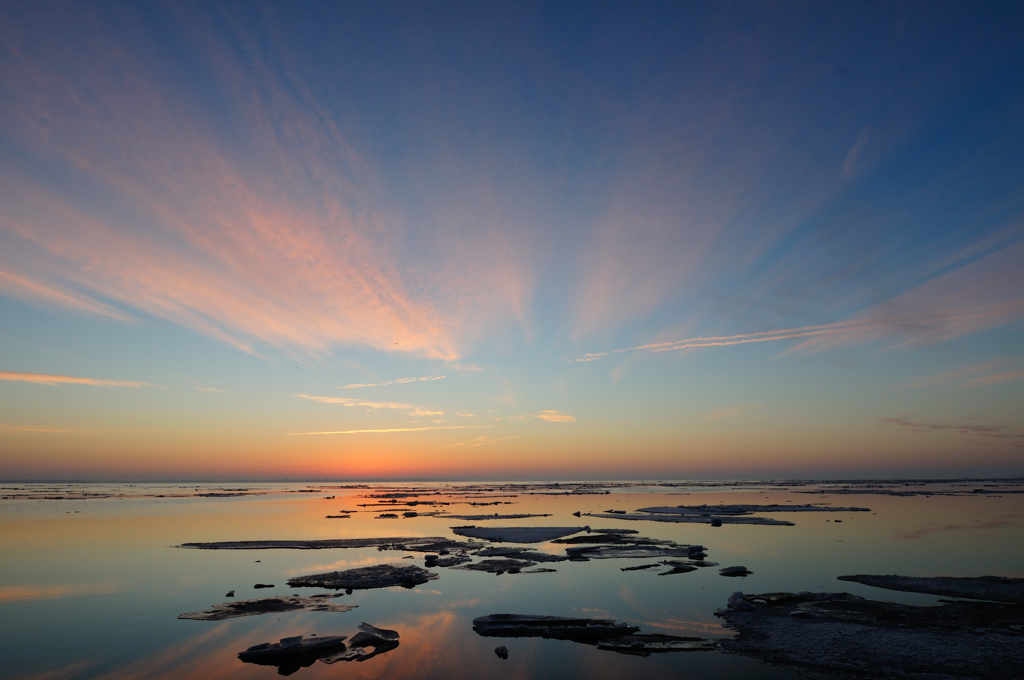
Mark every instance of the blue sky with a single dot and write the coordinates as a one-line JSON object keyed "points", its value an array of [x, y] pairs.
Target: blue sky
{"points": [[634, 239]]}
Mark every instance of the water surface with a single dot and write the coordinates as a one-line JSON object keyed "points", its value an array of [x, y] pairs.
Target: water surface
{"points": [[91, 585]]}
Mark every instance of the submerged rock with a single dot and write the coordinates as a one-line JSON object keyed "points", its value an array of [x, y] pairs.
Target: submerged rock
{"points": [[498, 566], [322, 544], [519, 553], [517, 534], [846, 637], [292, 653], [605, 634], [697, 519], [711, 510], [480, 518], [735, 571], [363, 578], [269, 605], [502, 652], [607, 552], [645, 644], [557, 627]]}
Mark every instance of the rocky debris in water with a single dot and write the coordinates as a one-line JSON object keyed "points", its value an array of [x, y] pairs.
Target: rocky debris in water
{"points": [[846, 637], [387, 515], [605, 537], [736, 601], [698, 519], [645, 644], [680, 568], [642, 566], [338, 516], [322, 544], [734, 571], [449, 561], [539, 570], [606, 552], [441, 546], [735, 510], [478, 518], [498, 566], [684, 566], [519, 553], [994, 588], [292, 653], [363, 578], [606, 634], [716, 522], [269, 605], [381, 639], [263, 585], [556, 627], [230, 593], [517, 534], [502, 652], [368, 632]]}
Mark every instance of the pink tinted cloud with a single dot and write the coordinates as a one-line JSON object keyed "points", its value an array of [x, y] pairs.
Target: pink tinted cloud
{"points": [[721, 341], [553, 416], [400, 381], [985, 294], [47, 379], [1001, 432], [984, 381], [393, 429], [415, 411], [290, 242]]}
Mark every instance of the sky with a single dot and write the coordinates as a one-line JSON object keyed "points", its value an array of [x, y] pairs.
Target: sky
{"points": [[562, 240]]}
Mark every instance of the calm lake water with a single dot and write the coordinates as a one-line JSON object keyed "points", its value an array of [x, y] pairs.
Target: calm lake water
{"points": [[92, 587]]}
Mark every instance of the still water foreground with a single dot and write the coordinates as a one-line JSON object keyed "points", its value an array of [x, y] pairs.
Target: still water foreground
{"points": [[525, 580]]}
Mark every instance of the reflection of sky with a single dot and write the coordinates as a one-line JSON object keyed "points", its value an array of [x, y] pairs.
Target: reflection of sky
{"points": [[110, 587], [523, 241]]}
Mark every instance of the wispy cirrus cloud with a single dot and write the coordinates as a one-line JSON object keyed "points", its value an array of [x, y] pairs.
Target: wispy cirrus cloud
{"points": [[720, 341], [400, 381], [416, 411], [22, 288], [949, 377], [968, 377], [1001, 432], [477, 441], [43, 429], [47, 379], [280, 233], [996, 379], [985, 294], [393, 429], [553, 416]]}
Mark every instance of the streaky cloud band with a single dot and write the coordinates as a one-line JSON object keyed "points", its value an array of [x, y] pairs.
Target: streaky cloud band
{"points": [[395, 429]]}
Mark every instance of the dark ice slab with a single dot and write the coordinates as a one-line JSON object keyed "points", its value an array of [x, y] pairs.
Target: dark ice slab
{"points": [[322, 544], [364, 578], [517, 534], [845, 637], [994, 588], [268, 605]]}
